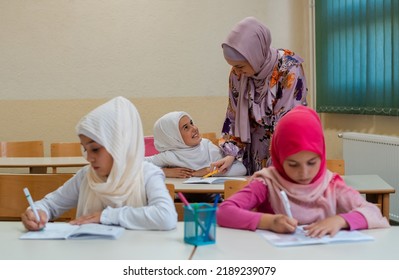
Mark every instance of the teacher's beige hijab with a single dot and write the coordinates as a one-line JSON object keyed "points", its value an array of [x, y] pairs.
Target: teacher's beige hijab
{"points": [[116, 125]]}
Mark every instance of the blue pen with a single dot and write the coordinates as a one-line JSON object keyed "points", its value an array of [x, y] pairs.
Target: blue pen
{"points": [[215, 203]]}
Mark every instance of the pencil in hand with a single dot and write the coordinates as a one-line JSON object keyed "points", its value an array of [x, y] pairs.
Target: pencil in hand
{"points": [[211, 173]]}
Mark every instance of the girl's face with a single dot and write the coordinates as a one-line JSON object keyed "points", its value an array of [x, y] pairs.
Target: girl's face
{"points": [[189, 132], [241, 68], [98, 157], [302, 167]]}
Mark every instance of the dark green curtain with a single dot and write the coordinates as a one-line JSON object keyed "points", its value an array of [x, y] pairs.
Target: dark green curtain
{"points": [[357, 56]]}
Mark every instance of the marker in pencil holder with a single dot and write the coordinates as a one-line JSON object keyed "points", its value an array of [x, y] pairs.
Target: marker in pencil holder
{"points": [[200, 224]]}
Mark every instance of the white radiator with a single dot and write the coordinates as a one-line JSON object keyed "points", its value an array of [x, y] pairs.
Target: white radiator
{"points": [[374, 154]]}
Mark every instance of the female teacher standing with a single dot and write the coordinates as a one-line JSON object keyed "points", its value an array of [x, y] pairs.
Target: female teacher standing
{"points": [[264, 84]]}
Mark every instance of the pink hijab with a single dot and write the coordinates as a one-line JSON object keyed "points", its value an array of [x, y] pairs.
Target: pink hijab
{"points": [[299, 130], [252, 40]]}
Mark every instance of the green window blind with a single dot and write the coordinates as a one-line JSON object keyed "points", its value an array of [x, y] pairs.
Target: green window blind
{"points": [[357, 56]]}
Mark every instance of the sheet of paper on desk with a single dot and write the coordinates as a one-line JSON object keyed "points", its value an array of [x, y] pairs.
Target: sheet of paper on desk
{"points": [[299, 238], [211, 180]]}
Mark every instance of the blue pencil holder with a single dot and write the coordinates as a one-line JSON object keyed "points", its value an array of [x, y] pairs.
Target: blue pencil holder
{"points": [[200, 224]]}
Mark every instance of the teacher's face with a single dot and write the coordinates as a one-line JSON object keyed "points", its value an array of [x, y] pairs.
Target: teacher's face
{"points": [[241, 68]]}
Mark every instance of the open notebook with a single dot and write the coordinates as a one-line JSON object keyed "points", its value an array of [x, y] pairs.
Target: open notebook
{"points": [[299, 238], [68, 231], [211, 180]]}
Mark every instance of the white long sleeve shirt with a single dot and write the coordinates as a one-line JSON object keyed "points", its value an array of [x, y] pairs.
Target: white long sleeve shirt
{"points": [[158, 214]]}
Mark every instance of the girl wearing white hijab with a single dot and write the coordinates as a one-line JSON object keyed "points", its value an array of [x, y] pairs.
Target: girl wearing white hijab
{"points": [[182, 151], [118, 187]]}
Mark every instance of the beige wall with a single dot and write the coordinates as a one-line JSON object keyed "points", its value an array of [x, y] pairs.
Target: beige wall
{"points": [[337, 123], [55, 120], [60, 59]]}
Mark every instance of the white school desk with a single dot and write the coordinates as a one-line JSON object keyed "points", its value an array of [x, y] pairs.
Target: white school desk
{"points": [[133, 244], [40, 164], [194, 188], [169, 245], [252, 246], [373, 186]]}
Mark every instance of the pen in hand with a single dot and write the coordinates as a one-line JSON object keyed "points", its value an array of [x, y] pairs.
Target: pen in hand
{"points": [[31, 204], [286, 204], [287, 208]]}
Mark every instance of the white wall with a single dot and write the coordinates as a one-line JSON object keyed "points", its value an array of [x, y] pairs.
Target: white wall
{"points": [[59, 59], [91, 49]]}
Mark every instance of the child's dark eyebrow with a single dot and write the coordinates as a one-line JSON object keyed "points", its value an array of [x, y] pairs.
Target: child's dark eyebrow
{"points": [[186, 124]]}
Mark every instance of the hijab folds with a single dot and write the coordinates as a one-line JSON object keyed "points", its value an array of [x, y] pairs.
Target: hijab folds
{"points": [[116, 125], [252, 40], [299, 130]]}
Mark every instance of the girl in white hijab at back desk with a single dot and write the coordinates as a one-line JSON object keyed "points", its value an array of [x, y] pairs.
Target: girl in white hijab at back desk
{"points": [[118, 187], [182, 151]]}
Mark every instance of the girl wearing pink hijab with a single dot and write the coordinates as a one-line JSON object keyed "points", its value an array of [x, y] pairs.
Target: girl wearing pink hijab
{"points": [[318, 198], [264, 84]]}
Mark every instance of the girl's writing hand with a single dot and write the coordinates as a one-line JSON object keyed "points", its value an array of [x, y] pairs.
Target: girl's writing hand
{"points": [[283, 224], [29, 220], [278, 223], [328, 226], [87, 219]]}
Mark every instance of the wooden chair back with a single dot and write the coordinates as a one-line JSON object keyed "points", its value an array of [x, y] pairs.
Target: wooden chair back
{"points": [[171, 189], [149, 146], [21, 149], [178, 205], [13, 201], [233, 186], [65, 149], [336, 165]]}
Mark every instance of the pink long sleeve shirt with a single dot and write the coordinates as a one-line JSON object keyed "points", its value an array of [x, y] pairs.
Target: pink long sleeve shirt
{"points": [[236, 212]]}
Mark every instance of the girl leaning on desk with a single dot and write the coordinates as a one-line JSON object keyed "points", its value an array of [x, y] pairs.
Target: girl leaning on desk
{"points": [[118, 187], [318, 198], [183, 153]]}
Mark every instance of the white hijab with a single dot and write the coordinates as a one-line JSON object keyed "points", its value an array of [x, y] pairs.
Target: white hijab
{"points": [[173, 152], [116, 125]]}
